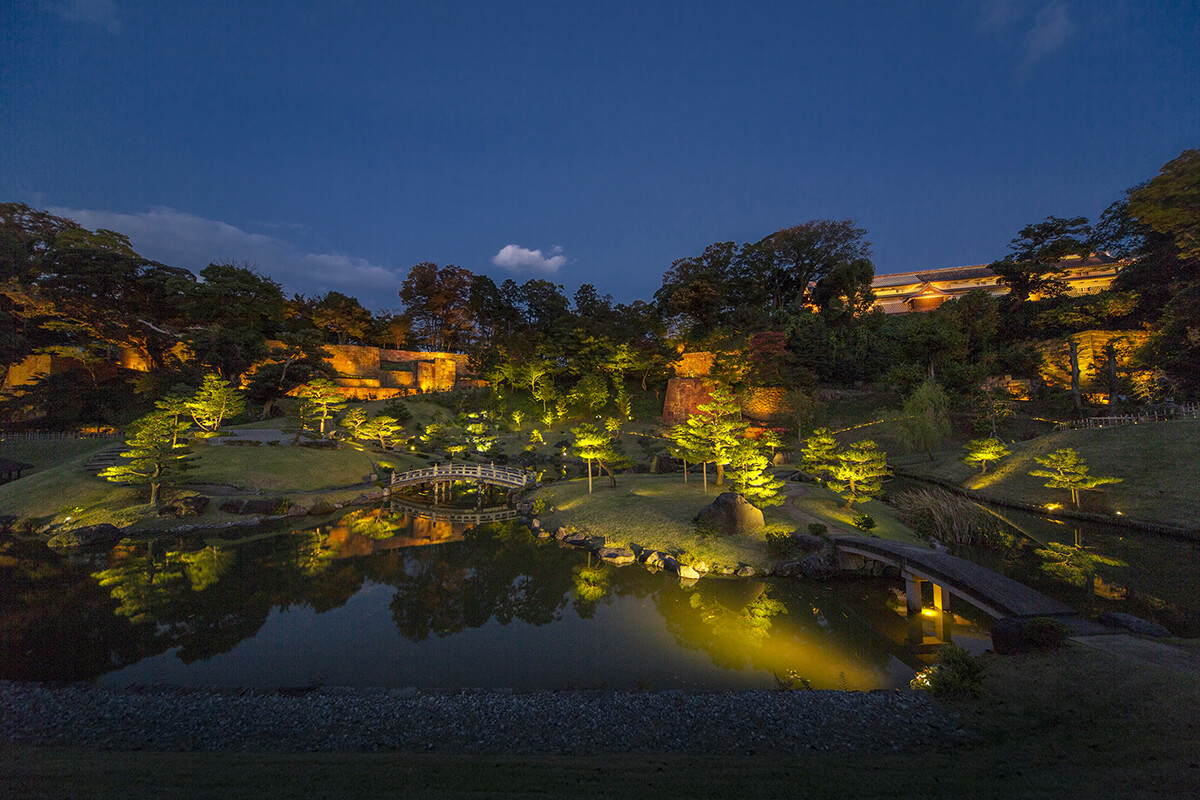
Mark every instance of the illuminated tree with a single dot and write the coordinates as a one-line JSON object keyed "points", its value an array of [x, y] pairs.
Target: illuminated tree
{"points": [[981, 451], [326, 400], [353, 421], [214, 402], [154, 456], [718, 425], [593, 444], [177, 406], [384, 429], [591, 392], [750, 474], [1074, 564], [859, 472], [820, 454], [1066, 470]]}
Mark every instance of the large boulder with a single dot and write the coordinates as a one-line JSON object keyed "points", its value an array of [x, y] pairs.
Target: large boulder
{"points": [[191, 506], [104, 533], [731, 514], [617, 556]]}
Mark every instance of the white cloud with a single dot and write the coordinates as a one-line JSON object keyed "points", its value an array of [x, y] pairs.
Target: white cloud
{"points": [[100, 13], [517, 258], [186, 240], [1051, 28]]}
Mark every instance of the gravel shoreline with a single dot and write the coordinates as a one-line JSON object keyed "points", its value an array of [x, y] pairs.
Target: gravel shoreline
{"points": [[471, 722]]}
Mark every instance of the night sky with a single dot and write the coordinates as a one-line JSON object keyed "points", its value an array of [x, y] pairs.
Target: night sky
{"points": [[335, 144]]}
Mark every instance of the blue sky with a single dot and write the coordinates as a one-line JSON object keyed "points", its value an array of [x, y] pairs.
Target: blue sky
{"points": [[335, 144]]}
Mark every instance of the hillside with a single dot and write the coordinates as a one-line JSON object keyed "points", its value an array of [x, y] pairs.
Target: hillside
{"points": [[1158, 463]]}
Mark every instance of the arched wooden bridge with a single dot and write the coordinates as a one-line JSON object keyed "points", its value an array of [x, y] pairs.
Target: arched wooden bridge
{"points": [[987, 590], [510, 477]]}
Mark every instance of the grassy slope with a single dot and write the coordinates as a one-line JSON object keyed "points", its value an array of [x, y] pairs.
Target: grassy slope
{"points": [[1072, 724], [47, 453], [1158, 463]]}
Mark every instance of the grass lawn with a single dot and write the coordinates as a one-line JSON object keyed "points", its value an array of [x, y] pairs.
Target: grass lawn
{"points": [[286, 469], [47, 453], [1076, 723], [300, 474], [67, 490], [1159, 464], [818, 504], [655, 511]]}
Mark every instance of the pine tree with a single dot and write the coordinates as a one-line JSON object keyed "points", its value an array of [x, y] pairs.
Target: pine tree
{"points": [[593, 444], [214, 402], [820, 454], [326, 400], [981, 451], [859, 472], [383, 428], [353, 421], [751, 476], [710, 434], [155, 456], [1067, 470]]}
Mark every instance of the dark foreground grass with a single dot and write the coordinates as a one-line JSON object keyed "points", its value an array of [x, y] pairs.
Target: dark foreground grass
{"points": [[1078, 723]]}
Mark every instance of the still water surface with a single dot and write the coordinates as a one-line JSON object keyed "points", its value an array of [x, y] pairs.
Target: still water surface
{"points": [[405, 602]]}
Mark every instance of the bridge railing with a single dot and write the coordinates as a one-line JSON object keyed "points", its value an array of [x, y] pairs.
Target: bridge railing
{"points": [[508, 476]]}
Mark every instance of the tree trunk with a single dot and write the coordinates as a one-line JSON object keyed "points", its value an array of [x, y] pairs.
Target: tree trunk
{"points": [[1074, 356], [154, 487], [1110, 351], [704, 468], [589, 465]]}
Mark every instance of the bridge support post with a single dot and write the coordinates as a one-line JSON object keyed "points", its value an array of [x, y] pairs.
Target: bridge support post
{"points": [[912, 595]]}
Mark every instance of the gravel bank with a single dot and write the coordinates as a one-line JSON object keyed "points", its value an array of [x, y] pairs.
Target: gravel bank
{"points": [[471, 722]]}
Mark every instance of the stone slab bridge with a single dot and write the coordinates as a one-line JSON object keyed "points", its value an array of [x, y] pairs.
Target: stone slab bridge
{"points": [[509, 477], [986, 589]]}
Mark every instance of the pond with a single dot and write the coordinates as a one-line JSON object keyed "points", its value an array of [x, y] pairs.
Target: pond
{"points": [[381, 599]]}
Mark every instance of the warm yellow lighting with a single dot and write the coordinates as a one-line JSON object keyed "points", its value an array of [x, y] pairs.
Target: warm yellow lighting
{"points": [[1053, 506], [929, 612], [1119, 514]]}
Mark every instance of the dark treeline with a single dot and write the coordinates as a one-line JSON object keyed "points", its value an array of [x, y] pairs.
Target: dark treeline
{"points": [[793, 309]]}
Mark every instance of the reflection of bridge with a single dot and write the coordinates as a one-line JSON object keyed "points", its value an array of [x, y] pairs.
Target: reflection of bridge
{"points": [[442, 514], [989, 591], [511, 477]]}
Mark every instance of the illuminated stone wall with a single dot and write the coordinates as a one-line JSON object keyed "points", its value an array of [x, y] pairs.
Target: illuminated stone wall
{"points": [[767, 403], [683, 395], [694, 365], [26, 371], [1055, 367]]}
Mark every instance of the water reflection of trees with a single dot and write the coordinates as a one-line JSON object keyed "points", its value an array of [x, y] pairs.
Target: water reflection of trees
{"points": [[203, 599], [496, 572]]}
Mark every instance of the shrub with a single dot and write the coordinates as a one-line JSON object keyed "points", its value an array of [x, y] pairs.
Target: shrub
{"points": [[817, 529], [864, 522], [322, 506], [1044, 633], [937, 514], [956, 674], [783, 545]]}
